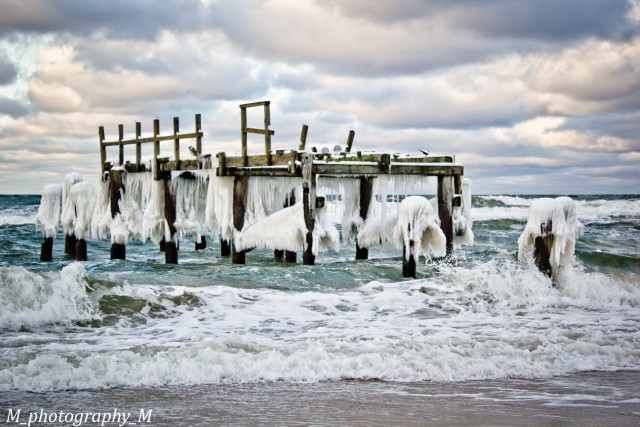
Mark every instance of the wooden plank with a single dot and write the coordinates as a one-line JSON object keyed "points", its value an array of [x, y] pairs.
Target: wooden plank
{"points": [[199, 132], [120, 146], [255, 104], [176, 141], [265, 132], [243, 126], [153, 139], [138, 145], [429, 169], [156, 148], [258, 160], [103, 150], [445, 209], [303, 137]]}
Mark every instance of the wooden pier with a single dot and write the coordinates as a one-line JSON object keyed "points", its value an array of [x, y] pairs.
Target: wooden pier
{"points": [[298, 162]]}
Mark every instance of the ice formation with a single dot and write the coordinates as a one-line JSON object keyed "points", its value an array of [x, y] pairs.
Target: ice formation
{"points": [[418, 223], [266, 195], [153, 222], [377, 231], [83, 198], [555, 217], [68, 215], [191, 202], [219, 206], [348, 192], [48, 217], [101, 219], [286, 229], [462, 223]]}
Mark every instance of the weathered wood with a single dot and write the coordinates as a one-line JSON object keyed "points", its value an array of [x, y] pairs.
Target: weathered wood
{"points": [[430, 169], [70, 242], [225, 247], [255, 104], [163, 245], [366, 192], [542, 254], [303, 137], [46, 251], [156, 149], [176, 141], [290, 256], [222, 164], [118, 251], [81, 250], [308, 202], [120, 146], [103, 149], [202, 244], [408, 264], [240, 187], [198, 120], [138, 145], [445, 209], [258, 160], [190, 135], [171, 245], [352, 134], [243, 126], [267, 133]]}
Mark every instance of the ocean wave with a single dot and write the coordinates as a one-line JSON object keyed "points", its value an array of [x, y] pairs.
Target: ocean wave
{"points": [[31, 300], [10, 219]]}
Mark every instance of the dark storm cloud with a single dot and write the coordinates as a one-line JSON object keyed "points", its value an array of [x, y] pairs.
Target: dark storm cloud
{"points": [[120, 18], [7, 70], [12, 108]]}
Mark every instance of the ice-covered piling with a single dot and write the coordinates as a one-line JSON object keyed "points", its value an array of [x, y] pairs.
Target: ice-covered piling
{"points": [[68, 215], [116, 187], [550, 234], [48, 218], [418, 231], [83, 199], [366, 193]]}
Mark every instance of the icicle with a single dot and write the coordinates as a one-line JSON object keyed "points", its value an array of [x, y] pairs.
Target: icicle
{"points": [[191, 201], [83, 199], [219, 206], [68, 215], [48, 217], [153, 222], [418, 222]]}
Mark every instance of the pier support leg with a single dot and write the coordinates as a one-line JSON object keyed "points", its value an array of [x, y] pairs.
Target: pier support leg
{"points": [[366, 192], [309, 207], [118, 251], [70, 242], [225, 248], [163, 245], [284, 255], [46, 251], [171, 246], [202, 245], [278, 254], [542, 252], [240, 186], [81, 250], [445, 209], [408, 264]]}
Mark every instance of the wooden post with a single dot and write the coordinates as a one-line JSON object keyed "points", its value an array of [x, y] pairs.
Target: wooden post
{"points": [[118, 251], [366, 192], [46, 251], [162, 245], [279, 254], [352, 134], [103, 149], [138, 145], [176, 142], [408, 264], [243, 126], [120, 146], [156, 149], [222, 160], [225, 248], [445, 209], [303, 137], [541, 254], [240, 186], [267, 134], [199, 137], [171, 246], [81, 250], [309, 205], [202, 244]]}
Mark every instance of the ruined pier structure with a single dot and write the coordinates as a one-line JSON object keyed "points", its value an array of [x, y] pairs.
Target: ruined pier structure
{"points": [[277, 199]]}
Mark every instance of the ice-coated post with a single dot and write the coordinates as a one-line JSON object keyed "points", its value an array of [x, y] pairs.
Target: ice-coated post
{"points": [[366, 192], [81, 250], [279, 254], [171, 246], [408, 263], [309, 206], [118, 250], [46, 251], [445, 209], [240, 186], [202, 244], [225, 248]]}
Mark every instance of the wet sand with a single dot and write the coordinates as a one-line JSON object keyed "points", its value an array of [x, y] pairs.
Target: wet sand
{"points": [[587, 399]]}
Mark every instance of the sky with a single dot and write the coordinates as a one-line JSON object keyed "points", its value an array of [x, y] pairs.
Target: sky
{"points": [[532, 96]]}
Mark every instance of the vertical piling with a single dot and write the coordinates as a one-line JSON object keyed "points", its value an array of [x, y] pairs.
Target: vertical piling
{"points": [[70, 242], [309, 205], [156, 149], [243, 127], [225, 247], [138, 145], [303, 137], [366, 192], [118, 251], [171, 245], [279, 254], [120, 146], [81, 250], [267, 133], [176, 141], [240, 186], [198, 121], [202, 244], [352, 135], [445, 209], [46, 251], [408, 263]]}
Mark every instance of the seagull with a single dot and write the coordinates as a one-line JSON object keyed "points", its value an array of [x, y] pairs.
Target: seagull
{"points": [[426, 153]]}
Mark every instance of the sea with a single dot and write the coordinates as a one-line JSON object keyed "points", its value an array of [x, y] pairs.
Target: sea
{"points": [[476, 339]]}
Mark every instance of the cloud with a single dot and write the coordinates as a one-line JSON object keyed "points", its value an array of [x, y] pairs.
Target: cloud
{"points": [[12, 107], [7, 70]]}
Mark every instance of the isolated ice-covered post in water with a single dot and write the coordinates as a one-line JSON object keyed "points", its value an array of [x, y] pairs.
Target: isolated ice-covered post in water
{"points": [[418, 230], [550, 234], [48, 218]]}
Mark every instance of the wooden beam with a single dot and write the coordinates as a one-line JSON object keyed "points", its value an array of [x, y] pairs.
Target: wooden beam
{"points": [[303, 137], [153, 139], [176, 141], [266, 132], [352, 134], [255, 104]]}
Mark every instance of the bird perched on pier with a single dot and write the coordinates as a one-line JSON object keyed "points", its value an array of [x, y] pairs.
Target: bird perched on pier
{"points": [[426, 153]]}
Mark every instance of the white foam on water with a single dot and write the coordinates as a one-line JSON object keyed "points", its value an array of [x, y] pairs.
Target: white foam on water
{"points": [[11, 219], [30, 300], [491, 320]]}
